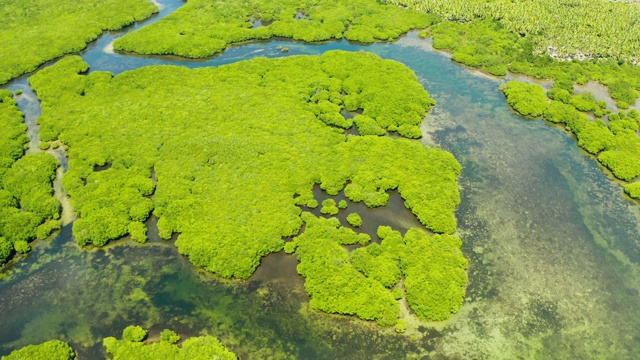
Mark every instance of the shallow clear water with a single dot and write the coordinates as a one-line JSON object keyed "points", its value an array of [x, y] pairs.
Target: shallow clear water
{"points": [[552, 242]]}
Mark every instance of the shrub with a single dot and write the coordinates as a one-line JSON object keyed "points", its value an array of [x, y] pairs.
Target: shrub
{"points": [[21, 247], [50, 350], [169, 336], [5, 250], [134, 333], [342, 204], [329, 207], [203, 347], [526, 99], [354, 219]]}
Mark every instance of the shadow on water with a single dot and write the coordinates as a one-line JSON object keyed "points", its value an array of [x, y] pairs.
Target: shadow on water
{"points": [[552, 243]]}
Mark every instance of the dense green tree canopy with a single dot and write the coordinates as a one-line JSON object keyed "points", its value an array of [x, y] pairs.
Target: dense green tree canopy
{"points": [[354, 220], [34, 32], [598, 28], [236, 149], [50, 350], [204, 27], [359, 283], [197, 348], [487, 45], [526, 99], [203, 347], [28, 209], [616, 143], [134, 333]]}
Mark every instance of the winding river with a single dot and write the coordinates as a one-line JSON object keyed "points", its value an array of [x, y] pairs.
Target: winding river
{"points": [[554, 247]]}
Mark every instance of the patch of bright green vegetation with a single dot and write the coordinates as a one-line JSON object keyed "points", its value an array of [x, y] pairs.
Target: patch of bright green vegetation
{"points": [[596, 28], [484, 44], [28, 209], [585, 101], [34, 32], [354, 219], [169, 336], [50, 350], [220, 140], [435, 274], [202, 28], [368, 126], [329, 207], [633, 190], [526, 99], [359, 283], [203, 347], [617, 146], [487, 45], [134, 333]]}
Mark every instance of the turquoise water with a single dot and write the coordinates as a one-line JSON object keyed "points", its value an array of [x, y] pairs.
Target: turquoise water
{"points": [[552, 242]]}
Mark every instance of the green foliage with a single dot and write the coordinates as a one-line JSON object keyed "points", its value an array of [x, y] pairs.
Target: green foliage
{"points": [[290, 247], [354, 219], [342, 204], [401, 326], [202, 28], [633, 190], [332, 282], [481, 44], [526, 99], [410, 131], [5, 250], [617, 146], [169, 336], [18, 92], [21, 247], [329, 207], [435, 274], [368, 126], [134, 333], [50, 350], [622, 104], [34, 32], [358, 283], [558, 94], [259, 121], [397, 293], [493, 47], [198, 348], [596, 28], [138, 232], [13, 135], [585, 101], [377, 263], [28, 209], [44, 230]]}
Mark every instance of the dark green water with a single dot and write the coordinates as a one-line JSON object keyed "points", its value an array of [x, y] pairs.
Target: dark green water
{"points": [[553, 247]]}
